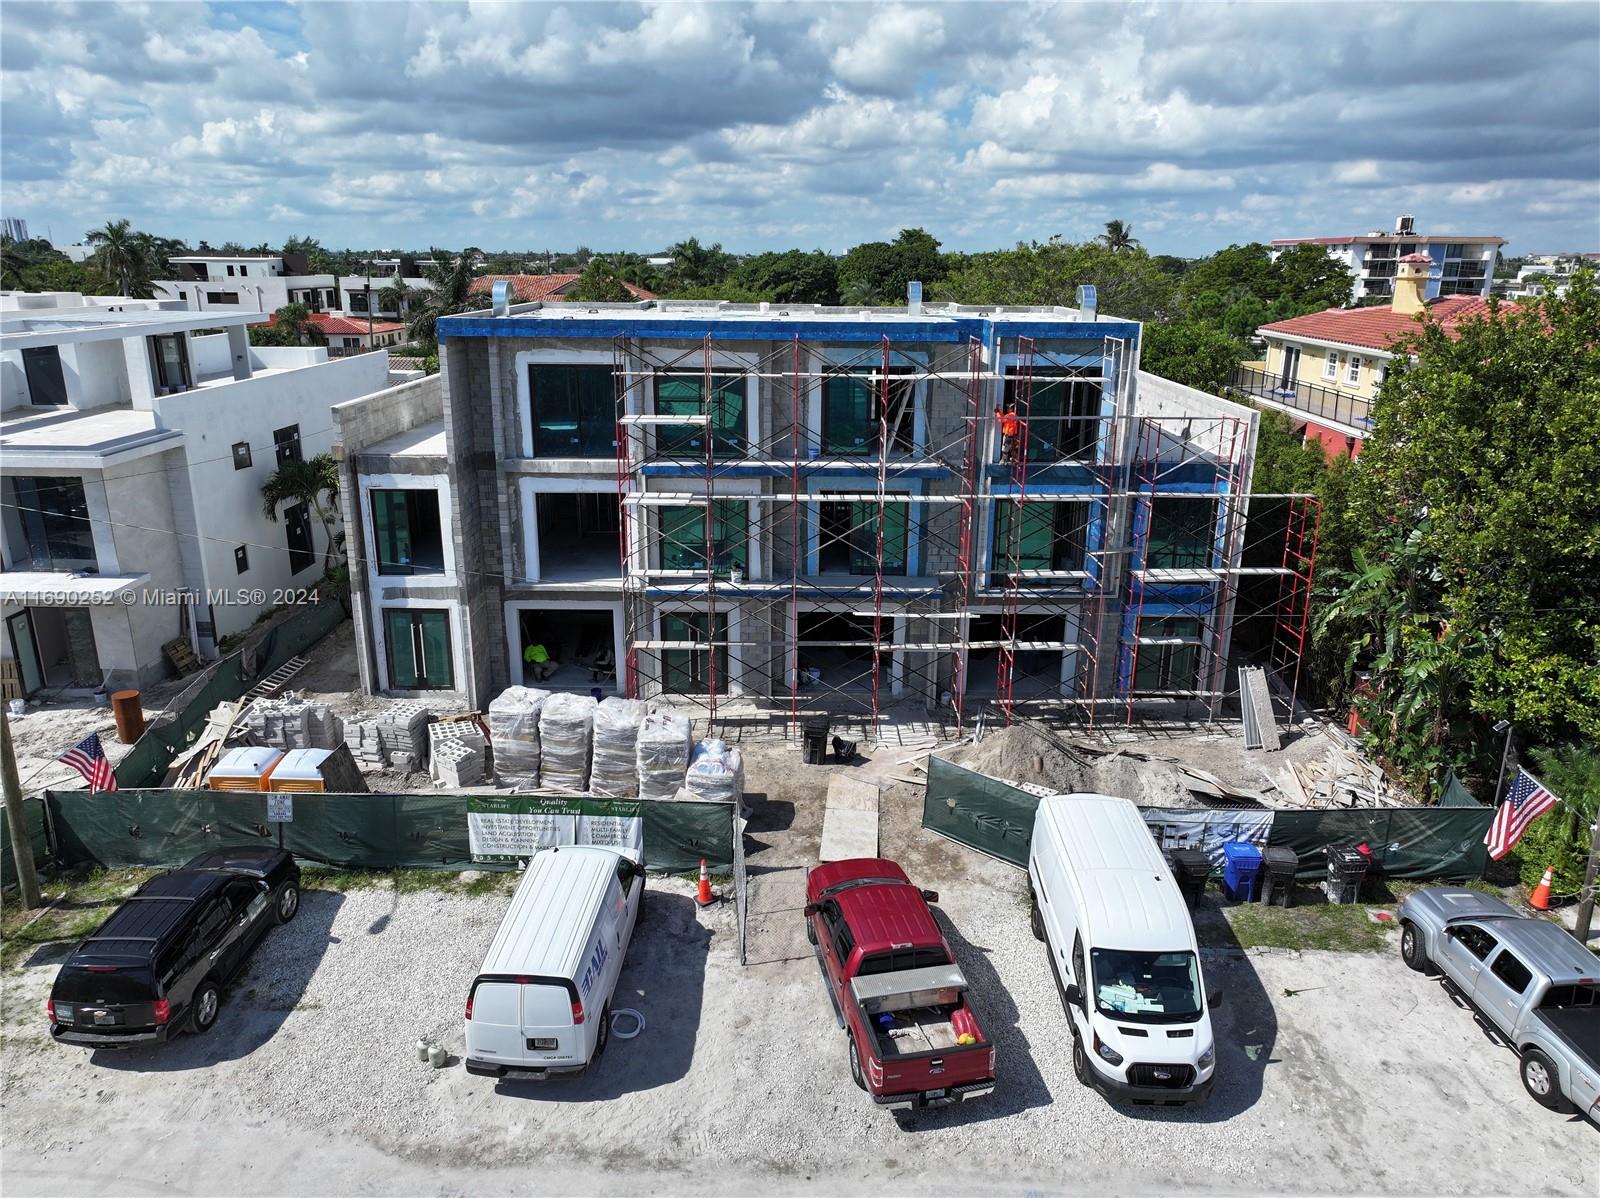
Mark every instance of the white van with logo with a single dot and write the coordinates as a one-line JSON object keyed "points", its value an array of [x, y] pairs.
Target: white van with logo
{"points": [[1122, 947], [541, 1004]]}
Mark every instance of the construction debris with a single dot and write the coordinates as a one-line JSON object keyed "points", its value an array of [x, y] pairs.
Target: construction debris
{"points": [[565, 729], [1344, 777], [664, 745], [1255, 703], [398, 737], [615, 770], [514, 733]]}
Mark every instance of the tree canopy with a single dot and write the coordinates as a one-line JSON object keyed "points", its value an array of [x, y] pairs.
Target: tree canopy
{"points": [[599, 284], [878, 272], [1128, 283]]}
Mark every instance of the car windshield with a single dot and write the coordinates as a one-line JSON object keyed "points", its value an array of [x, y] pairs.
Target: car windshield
{"points": [[1146, 987]]}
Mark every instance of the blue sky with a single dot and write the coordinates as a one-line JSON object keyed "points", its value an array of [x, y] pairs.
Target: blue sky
{"points": [[769, 126]]}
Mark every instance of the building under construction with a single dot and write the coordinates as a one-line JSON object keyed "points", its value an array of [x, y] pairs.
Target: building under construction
{"points": [[929, 510]]}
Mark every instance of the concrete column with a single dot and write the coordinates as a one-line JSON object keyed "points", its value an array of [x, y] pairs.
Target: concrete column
{"points": [[239, 350], [141, 380]]}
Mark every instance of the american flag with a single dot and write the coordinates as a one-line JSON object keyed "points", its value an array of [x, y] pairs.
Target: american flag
{"points": [[89, 759], [1527, 801]]}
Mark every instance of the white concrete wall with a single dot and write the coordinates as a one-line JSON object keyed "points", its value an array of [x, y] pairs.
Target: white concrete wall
{"points": [[228, 501]]}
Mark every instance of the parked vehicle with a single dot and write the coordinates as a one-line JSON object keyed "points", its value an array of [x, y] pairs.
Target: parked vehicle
{"points": [[1529, 979], [1123, 951], [158, 964], [897, 992], [541, 1004]]}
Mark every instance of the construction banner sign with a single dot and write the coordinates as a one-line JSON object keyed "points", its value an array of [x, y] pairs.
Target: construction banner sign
{"points": [[513, 827]]}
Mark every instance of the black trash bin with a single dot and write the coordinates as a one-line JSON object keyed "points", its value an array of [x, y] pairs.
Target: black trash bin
{"points": [[1278, 867], [1347, 870], [1191, 868], [814, 742]]}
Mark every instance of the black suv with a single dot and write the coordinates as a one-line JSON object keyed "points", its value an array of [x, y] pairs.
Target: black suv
{"points": [[158, 964]]}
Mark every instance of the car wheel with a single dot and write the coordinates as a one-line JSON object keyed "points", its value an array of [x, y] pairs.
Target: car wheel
{"points": [[1540, 1080], [1080, 1061], [288, 905], [1035, 920], [1411, 950], [207, 1005], [604, 1037], [855, 1065]]}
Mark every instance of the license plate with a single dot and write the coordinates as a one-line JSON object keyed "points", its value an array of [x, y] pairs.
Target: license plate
{"points": [[935, 1094], [544, 1044], [104, 1017]]}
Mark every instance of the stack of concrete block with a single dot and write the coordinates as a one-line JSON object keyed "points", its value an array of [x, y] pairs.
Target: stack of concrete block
{"points": [[397, 737], [615, 770], [663, 756], [366, 745], [290, 722], [715, 773], [565, 728], [457, 763], [514, 733], [446, 761]]}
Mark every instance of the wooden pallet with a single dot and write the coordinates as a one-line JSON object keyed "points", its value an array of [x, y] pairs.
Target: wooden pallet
{"points": [[272, 685], [10, 681], [182, 656]]}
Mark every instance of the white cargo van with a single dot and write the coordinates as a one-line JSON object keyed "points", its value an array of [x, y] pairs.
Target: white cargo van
{"points": [[541, 1003], [1123, 950]]}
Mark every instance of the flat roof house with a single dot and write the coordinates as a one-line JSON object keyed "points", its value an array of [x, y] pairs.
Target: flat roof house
{"points": [[255, 283], [1457, 264], [133, 447], [742, 508]]}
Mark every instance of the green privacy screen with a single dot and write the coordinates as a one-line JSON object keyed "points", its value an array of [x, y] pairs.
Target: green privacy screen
{"points": [[146, 763], [1414, 843], [370, 831], [33, 809]]}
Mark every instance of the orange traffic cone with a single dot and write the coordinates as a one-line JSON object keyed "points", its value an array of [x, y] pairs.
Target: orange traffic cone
{"points": [[704, 897], [1539, 899]]}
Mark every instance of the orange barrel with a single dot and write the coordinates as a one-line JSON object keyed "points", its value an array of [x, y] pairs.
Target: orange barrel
{"points": [[129, 713]]}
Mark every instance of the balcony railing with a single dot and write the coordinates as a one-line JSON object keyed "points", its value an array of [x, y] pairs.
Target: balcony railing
{"points": [[1324, 403]]}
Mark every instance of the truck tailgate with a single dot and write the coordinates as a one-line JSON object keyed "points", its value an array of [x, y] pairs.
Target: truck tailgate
{"points": [[918, 1018]]}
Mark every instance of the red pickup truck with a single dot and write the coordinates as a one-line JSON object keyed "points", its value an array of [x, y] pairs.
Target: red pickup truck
{"points": [[896, 989]]}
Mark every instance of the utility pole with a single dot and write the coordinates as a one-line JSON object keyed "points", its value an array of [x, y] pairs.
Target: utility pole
{"points": [[17, 819], [1586, 902]]}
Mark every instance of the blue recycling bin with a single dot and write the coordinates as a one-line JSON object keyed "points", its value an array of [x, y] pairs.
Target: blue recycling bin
{"points": [[1241, 870]]}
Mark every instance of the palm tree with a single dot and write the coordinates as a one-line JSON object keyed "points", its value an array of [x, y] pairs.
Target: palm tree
{"points": [[1119, 236], [293, 322], [315, 482], [396, 295], [122, 257], [450, 280]]}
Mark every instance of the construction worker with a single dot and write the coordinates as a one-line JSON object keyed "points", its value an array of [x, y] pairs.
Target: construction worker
{"points": [[1010, 433], [537, 662]]}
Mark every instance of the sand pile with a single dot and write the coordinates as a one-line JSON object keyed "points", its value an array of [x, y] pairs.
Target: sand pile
{"points": [[1024, 754]]}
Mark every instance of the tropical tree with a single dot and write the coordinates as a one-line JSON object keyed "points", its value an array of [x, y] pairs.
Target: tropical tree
{"points": [[1049, 272], [450, 279], [396, 295], [878, 272], [314, 482], [1119, 236], [122, 255], [599, 284], [790, 277], [290, 325], [19, 258], [1191, 352], [696, 265]]}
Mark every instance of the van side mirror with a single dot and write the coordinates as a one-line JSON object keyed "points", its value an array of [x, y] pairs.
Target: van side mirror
{"points": [[811, 909], [931, 896], [1074, 995], [1214, 999]]}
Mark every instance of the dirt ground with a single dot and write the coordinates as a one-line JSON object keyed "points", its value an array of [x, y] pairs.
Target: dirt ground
{"points": [[1338, 1072]]}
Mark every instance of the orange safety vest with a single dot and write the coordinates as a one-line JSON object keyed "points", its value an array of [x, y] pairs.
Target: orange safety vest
{"points": [[1009, 424]]}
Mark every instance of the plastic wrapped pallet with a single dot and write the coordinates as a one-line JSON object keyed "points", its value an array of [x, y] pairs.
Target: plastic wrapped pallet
{"points": [[664, 744], [716, 772], [514, 735], [615, 769], [565, 727]]}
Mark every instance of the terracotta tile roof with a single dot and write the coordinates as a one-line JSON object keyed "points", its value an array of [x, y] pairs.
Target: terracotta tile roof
{"points": [[1377, 328], [351, 326], [529, 289]]}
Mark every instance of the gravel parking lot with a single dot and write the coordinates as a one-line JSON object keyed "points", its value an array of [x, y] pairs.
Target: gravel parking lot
{"points": [[1365, 1079]]}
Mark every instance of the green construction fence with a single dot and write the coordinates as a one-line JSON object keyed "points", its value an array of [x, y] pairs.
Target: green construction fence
{"points": [[33, 810], [142, 827], [1412, 843]]}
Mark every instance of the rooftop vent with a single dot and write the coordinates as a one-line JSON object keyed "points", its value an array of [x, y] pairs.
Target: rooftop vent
{"points": [[1087, 300], [1406, 225], [502, 297], [914, 298]]}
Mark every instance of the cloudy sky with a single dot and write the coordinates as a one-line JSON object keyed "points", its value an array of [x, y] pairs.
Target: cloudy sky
{"points": [[632, 126]]}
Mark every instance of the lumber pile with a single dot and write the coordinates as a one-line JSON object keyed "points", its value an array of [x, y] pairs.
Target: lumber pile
{"points": [[1344, 777]]}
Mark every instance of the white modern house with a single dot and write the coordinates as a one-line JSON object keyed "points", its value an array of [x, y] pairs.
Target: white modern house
{"points": [[256, 283], [1458, 264], [363, 295], [134, 442]]}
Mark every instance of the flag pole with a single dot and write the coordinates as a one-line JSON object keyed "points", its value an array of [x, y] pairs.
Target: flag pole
{"points": [[1586, 900], [1508, 728], [16, 817]]}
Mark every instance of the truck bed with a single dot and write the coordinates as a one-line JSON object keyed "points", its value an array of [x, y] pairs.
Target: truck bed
{"points": [[1579, 1027], [925, 1029]]}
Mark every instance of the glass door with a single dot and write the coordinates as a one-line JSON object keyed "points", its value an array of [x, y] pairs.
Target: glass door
{"points": [[26, 651], [418, 643]]}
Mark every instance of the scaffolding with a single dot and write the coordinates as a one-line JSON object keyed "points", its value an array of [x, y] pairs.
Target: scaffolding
{"points": [[836, 528]]}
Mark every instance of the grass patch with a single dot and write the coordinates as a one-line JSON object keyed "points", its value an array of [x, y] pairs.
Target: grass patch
{"points": [[79, 903], [409, 881], [1332, 926]]}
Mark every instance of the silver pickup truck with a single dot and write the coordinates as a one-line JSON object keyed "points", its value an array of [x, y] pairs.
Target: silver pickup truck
{"points": [[1530, 980]]}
